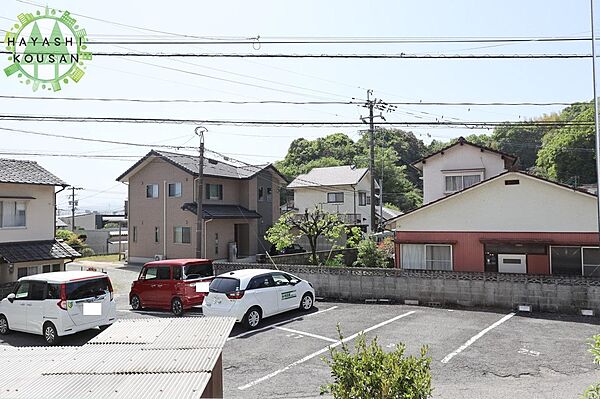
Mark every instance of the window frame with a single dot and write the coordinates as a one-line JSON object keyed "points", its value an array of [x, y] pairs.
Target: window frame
{"points": [[177, 193], [462, 175], [155, 193], [565, 246], [425, 259], [175, 235], [134, 234], [583, 248], [16, 212], [156, 234], [208, 195], [335, 197], [261, 194]]}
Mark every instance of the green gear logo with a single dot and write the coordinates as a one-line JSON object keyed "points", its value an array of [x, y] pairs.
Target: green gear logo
{"points": [[47, 49]]}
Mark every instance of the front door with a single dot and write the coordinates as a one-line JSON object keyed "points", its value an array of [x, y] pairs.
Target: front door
{"points": [[162, 288], [287, 295], [145, 283], [242, 239]]}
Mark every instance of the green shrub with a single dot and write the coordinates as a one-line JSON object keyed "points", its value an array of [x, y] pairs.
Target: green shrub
{"points": [[369, 255], [370, 372], [336, 261], [87, 252], [593, 392]]}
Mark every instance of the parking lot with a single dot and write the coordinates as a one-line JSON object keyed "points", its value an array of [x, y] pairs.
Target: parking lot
{"points": [[475, 353]]}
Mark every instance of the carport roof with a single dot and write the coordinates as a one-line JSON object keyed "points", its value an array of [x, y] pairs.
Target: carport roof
{"points": [[31, 251]]}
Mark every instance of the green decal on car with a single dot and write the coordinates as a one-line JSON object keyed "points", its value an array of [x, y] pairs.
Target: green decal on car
{"points": [[69, 304], [288, 295]]}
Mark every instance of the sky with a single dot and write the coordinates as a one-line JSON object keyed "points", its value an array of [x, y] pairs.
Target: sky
{"points": [[465, 80]]}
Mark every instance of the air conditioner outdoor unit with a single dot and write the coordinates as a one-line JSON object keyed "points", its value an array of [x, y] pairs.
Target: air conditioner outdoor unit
{"points": [[158, 257]]}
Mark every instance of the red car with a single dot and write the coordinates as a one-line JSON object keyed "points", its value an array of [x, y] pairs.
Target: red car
{"points": [[174, 284]]}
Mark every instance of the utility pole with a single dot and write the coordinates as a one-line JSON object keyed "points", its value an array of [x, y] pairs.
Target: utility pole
{"points": [[596, 114], [73, 202], [200, 130], [381, 106]]}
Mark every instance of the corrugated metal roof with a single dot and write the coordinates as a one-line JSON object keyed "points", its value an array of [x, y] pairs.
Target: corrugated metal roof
{"points": [[149, 358], [135, 331], [148, 386], [130, 359]]}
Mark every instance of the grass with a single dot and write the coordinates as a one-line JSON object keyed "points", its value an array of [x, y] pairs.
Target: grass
{"points": [[102, 258]]}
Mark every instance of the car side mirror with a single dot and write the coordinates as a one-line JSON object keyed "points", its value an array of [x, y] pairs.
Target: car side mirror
{"points": [[11, 297]]}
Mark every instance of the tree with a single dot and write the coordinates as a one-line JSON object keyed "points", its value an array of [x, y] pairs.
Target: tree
{"points": [[567, 153], [370, 255], [311, 224], [593, 392], [370, 372]]}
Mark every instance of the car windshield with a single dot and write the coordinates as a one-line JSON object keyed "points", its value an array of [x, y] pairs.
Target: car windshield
{"points": [[224, 285], [87, 288], [198, 271]]}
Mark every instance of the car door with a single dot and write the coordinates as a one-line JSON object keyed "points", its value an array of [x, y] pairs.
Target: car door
{"points": [[145, 282], [35, 307], [264, 293], [163, 286], [287, 297], [17, 311]]}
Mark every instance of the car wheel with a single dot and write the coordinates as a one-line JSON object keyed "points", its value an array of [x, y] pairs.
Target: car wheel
{"points": [[307, 302], [4, 325], [50, 334], [177, 307], [252, 318], [136, 304]]}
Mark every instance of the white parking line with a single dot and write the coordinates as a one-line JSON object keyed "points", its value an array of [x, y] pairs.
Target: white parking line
{"points": [[280, 323], [320, 352], [307, 334], [476, 337]]}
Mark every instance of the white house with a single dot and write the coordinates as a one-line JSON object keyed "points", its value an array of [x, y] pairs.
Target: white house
{"points": [[459, 166], [27, 221], [342, 190]]}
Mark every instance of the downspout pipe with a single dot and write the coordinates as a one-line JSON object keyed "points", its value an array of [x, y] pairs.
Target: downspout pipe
{"points": [[64, 187]]}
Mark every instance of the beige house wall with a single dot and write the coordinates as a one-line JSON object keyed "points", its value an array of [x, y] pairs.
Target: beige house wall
{"points": [[6, 276], [39, 212]]}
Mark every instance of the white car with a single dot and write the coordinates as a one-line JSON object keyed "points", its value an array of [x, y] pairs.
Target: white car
{"points": [[58, 304], [250, 295]]}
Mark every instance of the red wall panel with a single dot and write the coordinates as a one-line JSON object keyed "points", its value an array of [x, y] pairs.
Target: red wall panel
{"points": [[538, 264], [467, 247]]}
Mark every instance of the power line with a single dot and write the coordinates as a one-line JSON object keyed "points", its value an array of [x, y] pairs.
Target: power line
{"points": [[267, 123], [284, 102], [405, 56]]}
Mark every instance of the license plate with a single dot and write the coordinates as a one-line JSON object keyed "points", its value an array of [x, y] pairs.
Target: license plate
{"points": [[202, 287], [92, 309]]}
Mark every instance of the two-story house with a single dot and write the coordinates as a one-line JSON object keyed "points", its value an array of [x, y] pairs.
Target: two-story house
{"points": [[459, 166], [239, 204], [481, 216], [27, 221], [342, 190]]}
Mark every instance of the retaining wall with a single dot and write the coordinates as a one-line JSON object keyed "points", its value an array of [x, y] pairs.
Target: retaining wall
{"points": [[492, 290], [350, 256]]}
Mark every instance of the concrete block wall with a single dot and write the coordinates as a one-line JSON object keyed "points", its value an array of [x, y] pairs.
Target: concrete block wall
{"points": [[490, 290]]}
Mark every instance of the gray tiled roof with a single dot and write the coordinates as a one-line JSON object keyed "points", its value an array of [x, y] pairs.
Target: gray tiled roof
{"points": [[330, 176], [212, 167], [30, 251], [28, 172]]}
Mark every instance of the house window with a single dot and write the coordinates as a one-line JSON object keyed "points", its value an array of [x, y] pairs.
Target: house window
{"points": [[12, 214], [46, 269], [156, 234], [214, 191], [591, 261], [56, 267], [269, 194], [364, 198], [134, 234], [216, 243], [426, 257], [174, 189], [335, 197], [460, 182], [566, 260], [181, 235], [27, 271], [261, 194], [152, 191]]}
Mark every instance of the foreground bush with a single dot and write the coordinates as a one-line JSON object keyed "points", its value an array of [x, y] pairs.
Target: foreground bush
{"points": [[370, 372]]}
